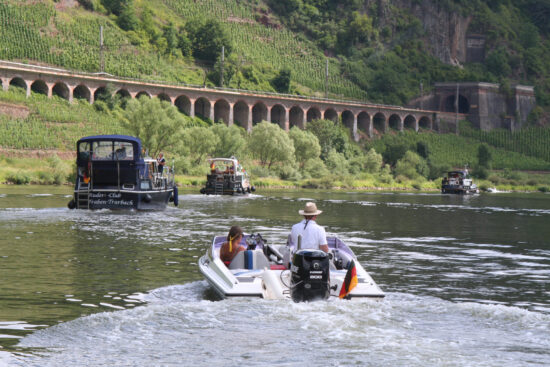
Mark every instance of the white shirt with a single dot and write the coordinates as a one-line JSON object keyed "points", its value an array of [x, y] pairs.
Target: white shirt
{"points": [[313, 235]]}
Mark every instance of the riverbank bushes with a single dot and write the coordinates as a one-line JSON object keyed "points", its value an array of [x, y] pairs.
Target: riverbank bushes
{"points": [[323, 155]]}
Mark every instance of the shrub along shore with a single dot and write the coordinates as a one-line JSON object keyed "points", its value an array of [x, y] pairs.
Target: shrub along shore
{"points": [[56, 171], [39, 135]]}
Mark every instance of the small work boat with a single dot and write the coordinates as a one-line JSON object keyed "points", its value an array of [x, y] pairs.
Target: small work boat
{"points": [[227, 177], [286, 272], [112, 173], [458, 182]]}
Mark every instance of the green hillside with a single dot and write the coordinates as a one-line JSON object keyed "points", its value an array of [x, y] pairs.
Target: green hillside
{"points": [[46, 33], [377, 50]]}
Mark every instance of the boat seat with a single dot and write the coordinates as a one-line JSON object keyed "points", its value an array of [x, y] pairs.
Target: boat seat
{"points": [[249, 259]]}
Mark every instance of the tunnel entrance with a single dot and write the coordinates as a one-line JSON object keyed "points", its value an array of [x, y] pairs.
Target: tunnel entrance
{"points": [[463, 104]]}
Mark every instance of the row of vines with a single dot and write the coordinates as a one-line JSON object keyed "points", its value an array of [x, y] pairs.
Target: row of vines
{"points": [[272, 44], [35, 32], [52, 123], [531, 141], [458, 151]]}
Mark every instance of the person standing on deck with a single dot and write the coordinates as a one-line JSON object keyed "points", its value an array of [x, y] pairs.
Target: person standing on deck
{"points": [[313, 235], [162, 162]]}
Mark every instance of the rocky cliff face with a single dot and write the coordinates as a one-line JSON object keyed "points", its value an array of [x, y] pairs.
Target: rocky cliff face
{"points": [[445, 32]]}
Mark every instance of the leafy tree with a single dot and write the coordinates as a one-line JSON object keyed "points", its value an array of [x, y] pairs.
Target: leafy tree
{"points": [[330, 136], [197, 143], [411, 166], [394, 152], [116, 6], [337, 163], [315, 168], [128, 19], [270, 144], [306, 145], [230, 140], [423, 149], [87, 4], [437, 170], [170, 34], [484, 156], [373, 161], [281, 82], [155, 122], [497, 62], [231, 67], [184, 43], [148, 24], [207, 38]]}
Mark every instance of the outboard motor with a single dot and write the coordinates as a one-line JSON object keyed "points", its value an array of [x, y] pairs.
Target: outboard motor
{"points": [[310, 276]]}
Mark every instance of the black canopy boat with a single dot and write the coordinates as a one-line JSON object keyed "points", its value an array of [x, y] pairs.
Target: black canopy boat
{"points": [[458, 182], [112, 173]]}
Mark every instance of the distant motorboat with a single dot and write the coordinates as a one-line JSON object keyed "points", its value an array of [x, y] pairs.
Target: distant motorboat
{"points": [[226, 177], [458, 182], [113, 174]]}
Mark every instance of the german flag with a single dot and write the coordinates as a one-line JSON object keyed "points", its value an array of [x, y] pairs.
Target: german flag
{"points": [[350, 281]]}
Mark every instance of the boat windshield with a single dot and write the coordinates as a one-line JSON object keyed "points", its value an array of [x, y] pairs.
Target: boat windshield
{"points": [[222, 166], [456, 174], [108, 150]]}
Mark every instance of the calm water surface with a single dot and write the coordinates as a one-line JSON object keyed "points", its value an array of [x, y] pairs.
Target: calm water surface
{"points": [[467, 282]]}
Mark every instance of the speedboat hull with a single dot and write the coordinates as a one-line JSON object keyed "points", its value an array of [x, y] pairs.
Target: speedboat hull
{"points": [[271, 279]]}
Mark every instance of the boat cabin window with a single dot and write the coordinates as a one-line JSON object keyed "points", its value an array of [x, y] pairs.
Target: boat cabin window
{"points": [[124, 151], [226, 167], [84, 151], [112, 150]]}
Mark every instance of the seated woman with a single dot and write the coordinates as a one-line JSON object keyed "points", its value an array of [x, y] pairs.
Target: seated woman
{"points": [[231, 247]]}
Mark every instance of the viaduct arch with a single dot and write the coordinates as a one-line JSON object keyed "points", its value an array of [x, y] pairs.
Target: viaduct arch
{"points": [[225, 106]]}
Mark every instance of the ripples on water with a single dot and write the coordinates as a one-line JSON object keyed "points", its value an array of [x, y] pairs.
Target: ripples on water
{"points": [[467, 285], [178, 327]]}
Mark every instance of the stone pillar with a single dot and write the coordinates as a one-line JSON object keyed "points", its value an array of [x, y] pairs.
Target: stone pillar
{"points": [[370, 128], [401, 124], [5, 84], [249, 124], [287, 118], [191, 107], [29, 83], [92, 95], [354, 128], [50, 89], [268, 116], [231, 114], [71, 92], [211, 117]]}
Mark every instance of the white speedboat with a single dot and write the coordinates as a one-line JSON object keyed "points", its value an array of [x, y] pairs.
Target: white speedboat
{"points": [[285, 272]]}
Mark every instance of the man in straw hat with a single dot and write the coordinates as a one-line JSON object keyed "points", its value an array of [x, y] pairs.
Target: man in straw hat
{"points": [[313, 235]]}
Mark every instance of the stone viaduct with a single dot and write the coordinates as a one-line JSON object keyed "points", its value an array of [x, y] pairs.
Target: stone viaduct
{"points": [[244, 108]]}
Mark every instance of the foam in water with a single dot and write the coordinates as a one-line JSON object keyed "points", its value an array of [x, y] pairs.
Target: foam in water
{"points": [[178, 326]]}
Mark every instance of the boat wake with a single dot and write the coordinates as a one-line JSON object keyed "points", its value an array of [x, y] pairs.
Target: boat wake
{"points": [[177, 324]]}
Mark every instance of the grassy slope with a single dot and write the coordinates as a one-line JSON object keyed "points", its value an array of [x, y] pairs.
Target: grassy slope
{"points": [[41, 127], [38, 33]]}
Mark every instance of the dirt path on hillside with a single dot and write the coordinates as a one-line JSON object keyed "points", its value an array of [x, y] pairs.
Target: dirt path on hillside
{"points": [[14, 110], [36, 153]]}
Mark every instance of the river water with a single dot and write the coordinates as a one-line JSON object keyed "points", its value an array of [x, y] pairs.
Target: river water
{"points": [[467, 282]]}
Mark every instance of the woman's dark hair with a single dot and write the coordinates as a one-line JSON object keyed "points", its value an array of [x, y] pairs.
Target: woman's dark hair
{"points": [[234, 232]]}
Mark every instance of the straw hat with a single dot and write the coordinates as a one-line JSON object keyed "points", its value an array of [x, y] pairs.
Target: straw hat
{"points": [[310, 209]]}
